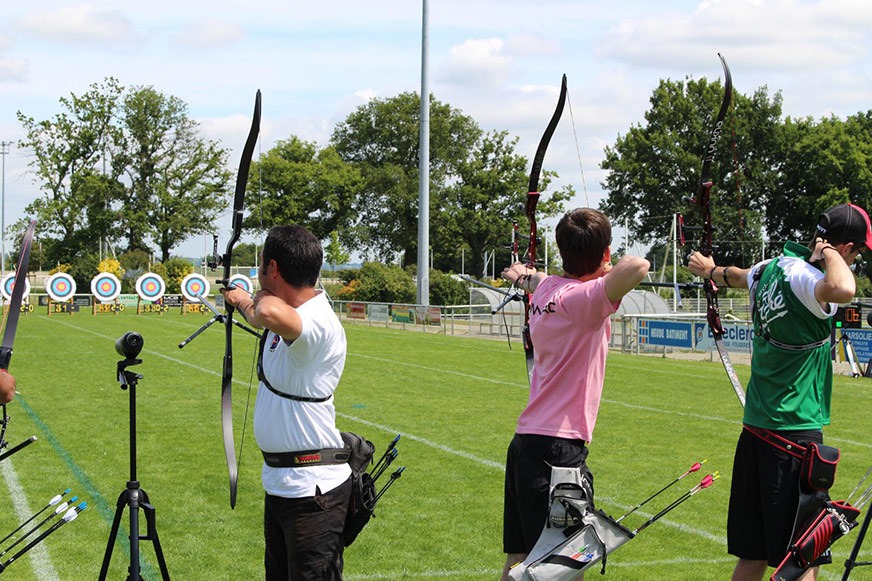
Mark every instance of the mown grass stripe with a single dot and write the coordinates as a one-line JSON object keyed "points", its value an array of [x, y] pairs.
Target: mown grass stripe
{"points": [[39, 557]]}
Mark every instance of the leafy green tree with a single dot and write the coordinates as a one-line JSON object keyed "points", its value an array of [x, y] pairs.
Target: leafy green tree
{"points": [[447, 290], [173, 271], [298, 183], [382, 283], [83, 269], [333, 253], [74, 211], [480, 206], [177, 181], [381, 140], [245, 254], [656, 166]]}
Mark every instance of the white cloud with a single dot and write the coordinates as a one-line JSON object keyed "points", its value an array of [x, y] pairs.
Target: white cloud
{"points": [[209, 33], [13, 69], [784, 34], [478, 62], [528, 45], [84, 24]]}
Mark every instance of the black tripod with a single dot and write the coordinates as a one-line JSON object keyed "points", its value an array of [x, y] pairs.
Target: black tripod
{"points": [[852, 560], [133, 497]]}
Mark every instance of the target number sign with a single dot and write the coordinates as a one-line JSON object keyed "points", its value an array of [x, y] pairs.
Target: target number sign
{"points": [[195, 285], [8, 284], [60, 287], [105, 287], [150, 287]]}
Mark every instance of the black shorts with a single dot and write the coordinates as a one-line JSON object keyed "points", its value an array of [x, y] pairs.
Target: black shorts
{"points": [[764, 495], [303, 536], [528, 483]]}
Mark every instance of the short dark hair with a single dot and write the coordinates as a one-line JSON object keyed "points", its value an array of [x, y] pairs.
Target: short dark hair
{"points": [[297, 253], [582, 237]]}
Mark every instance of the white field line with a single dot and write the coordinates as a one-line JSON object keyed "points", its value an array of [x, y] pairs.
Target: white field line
{"points": [[39, 557]]}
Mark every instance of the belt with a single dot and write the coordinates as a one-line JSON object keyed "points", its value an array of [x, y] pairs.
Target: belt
{"points": [[779, 442], [327, 456]]}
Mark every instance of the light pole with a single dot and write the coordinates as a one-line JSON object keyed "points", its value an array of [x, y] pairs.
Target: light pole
{"points": [[4, 150]]}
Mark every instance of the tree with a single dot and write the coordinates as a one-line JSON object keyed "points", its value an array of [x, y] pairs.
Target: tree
{"points": [[379, 283], [301, 184], [333, 252], [177, 182], [480, 206], [381, 139], [653, 168], [67, 149]]}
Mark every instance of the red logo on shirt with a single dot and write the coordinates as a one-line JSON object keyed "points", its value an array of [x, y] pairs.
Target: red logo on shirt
{"points": [[275, 343]]}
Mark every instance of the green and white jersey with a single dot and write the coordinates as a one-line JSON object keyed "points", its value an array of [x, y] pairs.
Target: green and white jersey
{"points": [[789, 389]]}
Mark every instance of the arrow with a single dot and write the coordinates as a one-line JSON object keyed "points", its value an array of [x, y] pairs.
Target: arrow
{"points": [[50, 504], [693, 468], [705, 483]]}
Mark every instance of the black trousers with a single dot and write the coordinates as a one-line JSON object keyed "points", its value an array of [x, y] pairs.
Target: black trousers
{"points": [[303, 536]]}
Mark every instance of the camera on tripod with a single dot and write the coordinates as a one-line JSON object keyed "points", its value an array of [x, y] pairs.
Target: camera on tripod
{"points": [[129, 344]]}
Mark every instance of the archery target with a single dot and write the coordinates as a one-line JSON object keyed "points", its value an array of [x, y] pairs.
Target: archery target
{"points": [[106, 287], [8, 284], [150, 287], [242, 282], [60, 287], [194, 285]]}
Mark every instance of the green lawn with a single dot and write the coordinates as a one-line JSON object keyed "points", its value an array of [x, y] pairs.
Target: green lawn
{"points": [[455, 400]]}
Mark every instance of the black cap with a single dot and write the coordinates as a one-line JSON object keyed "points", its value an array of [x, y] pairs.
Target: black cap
{"points": [[846, 223]]}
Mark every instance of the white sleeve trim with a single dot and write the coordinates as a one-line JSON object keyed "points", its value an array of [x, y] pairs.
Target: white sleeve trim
{"points": [[803, 279]]}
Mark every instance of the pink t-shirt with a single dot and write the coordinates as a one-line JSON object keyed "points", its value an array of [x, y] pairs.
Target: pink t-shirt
{"points": [[570, 328]]}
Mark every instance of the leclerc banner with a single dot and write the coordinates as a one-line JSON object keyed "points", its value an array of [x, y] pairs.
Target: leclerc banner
{"points": [[737, 338]]}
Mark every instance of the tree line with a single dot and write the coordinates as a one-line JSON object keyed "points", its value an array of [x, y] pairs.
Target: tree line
{"points": [[130, 166]]}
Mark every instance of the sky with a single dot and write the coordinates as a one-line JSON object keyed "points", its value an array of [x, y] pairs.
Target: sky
{"points": [[498, 61]]}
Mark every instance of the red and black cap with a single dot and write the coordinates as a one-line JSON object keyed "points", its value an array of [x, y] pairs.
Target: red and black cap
{"points": [[846, 223]]}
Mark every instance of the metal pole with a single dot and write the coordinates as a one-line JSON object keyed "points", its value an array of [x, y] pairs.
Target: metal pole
{"points": [[4, 150], [424, 170], [674, 262]]}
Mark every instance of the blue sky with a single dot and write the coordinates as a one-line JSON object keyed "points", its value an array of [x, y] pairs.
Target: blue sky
{"points": [[498, 61]]}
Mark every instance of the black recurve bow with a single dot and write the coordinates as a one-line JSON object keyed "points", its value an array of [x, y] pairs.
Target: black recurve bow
{"points": [[13, 315], [532, 201], [227, 371], [703, 203]]}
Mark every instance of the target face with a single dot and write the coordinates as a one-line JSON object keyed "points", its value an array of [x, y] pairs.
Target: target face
{"points": [[150, 287], [60, 287], [105, 287], [8, 284], [242, 282], [195, 285]]}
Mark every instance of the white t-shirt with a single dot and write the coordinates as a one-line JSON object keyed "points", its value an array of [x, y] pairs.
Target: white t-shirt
{"points": [[310, 366]]}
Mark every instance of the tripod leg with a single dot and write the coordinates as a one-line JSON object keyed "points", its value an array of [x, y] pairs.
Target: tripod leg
{"points": [[852, 560], [107, 556], [151, 535]]}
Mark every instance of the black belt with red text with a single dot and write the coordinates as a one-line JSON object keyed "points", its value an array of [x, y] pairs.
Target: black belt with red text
{"points": [[323, 457]]}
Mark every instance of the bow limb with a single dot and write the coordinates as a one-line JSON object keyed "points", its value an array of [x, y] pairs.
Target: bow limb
{"points": [[14, 314], [532, 201], [703, 200], [227, 370]]}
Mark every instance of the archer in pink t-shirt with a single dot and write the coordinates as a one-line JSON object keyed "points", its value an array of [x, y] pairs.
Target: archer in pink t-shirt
{"points": [[569, 331], [570, 327]]}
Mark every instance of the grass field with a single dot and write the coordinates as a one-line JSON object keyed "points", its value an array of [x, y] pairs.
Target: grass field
{"points": [[455, 400]]}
